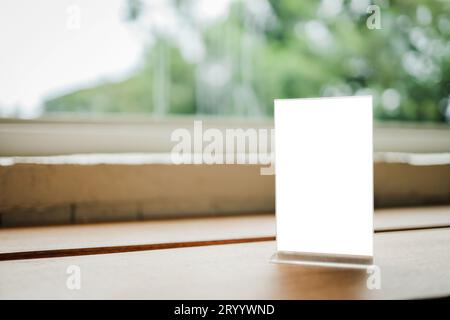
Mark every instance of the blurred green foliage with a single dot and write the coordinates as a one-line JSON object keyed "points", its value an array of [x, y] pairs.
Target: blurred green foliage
{"points": [[288, 49]]}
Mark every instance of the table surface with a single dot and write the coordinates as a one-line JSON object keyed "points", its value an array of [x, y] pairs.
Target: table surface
{"points": [[219, 257]]}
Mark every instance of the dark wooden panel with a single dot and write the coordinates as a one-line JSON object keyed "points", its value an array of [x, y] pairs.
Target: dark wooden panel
{"points": [[39, 242]]}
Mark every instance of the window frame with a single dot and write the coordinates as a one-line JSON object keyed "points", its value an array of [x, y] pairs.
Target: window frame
{"points": [[61, 135]]}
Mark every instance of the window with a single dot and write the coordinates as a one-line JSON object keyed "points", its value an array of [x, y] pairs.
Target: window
{"points": [[171, 57]]}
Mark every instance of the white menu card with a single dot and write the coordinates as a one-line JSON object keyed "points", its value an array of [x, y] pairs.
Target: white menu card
{"points": [[324, 176]]}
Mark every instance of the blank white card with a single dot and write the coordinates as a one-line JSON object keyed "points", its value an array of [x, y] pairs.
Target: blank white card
{"points": [[324, 175]]}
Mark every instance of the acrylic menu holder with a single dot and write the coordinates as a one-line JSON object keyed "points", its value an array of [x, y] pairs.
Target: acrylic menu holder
{"points": [[324, 181]]}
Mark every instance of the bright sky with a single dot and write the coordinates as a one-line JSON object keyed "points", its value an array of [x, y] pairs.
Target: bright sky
{"points": [[43, 53]]}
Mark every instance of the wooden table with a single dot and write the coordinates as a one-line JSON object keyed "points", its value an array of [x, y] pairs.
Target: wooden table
{"points": [[221, 257]]}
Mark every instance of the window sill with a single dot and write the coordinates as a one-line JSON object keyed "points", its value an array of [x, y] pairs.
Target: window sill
{"points": [[120, 187]]}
